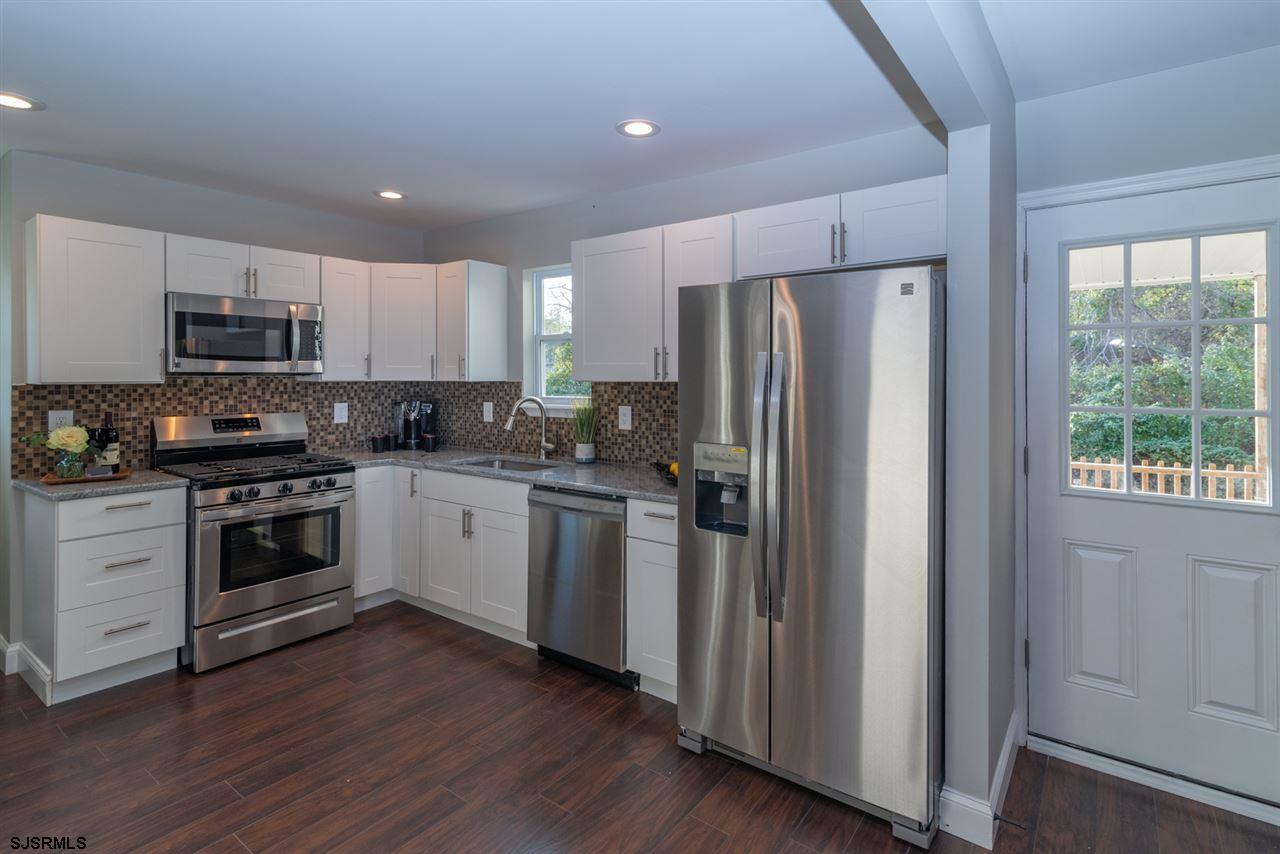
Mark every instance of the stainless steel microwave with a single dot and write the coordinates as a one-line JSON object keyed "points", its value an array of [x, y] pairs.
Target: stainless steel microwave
{"points": [[233, 335]]}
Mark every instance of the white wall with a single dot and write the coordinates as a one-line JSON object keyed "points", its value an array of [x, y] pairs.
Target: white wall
{"points": [[540, 238], [35, 183], [1209, 112]]}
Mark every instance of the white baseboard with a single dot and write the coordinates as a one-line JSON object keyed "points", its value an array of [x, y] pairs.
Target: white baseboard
{"points": [[973, 819], [10, 656], [1156, 780], [661, 690], [38, 676], [373, 600], [504, 632]]}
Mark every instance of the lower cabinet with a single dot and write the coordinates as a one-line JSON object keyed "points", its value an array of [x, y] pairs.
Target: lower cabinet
{"points": [[406, 525], [651, 609], [476, 560], [446, 554], [375, 530]]}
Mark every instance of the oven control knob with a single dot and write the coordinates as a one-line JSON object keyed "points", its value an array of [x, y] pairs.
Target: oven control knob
{"points": [[235, 495], [316, 483], [331, 482], [253, 492], [286, 488]]}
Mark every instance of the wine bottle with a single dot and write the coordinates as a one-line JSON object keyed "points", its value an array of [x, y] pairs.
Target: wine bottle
{"points": [[109, 439]]}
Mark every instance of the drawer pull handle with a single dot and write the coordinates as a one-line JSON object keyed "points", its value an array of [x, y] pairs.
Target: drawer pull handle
{"points": [[127, 506], [134, 562], [119, 629], [670, 517]]}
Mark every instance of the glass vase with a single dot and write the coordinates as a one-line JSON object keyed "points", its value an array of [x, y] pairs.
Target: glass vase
{"points": [[68, 465]]}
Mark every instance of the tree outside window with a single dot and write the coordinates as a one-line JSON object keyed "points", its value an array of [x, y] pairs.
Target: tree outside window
{"points": [[553, 335]]}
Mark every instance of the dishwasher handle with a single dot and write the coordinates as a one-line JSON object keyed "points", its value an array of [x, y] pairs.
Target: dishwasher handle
{"points": [[578, 503]]}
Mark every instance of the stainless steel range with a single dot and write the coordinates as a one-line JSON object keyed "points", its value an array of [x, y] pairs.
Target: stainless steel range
{"points": [[270, 532]]}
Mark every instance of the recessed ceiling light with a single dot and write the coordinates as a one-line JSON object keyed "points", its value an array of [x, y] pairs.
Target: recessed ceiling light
{"points": [[638, 128], [14, 101], [393, 195]]}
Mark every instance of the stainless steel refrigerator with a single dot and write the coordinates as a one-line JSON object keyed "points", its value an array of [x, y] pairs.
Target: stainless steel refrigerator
{"points": [[811, 531]]}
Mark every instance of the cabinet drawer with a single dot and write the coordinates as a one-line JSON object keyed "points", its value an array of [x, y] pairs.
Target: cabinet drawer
{"points": [[112, 633], [651, 520], [111, 514], [487, 492], [102, 569]]}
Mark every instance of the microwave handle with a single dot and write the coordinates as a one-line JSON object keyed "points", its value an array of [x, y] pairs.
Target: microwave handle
{"points": [[295, 335]]}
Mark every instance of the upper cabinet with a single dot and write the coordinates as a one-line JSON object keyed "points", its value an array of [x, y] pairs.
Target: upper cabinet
{"points": [[896, 222], [699, 252], [617, 306], [403, 321], [95, 302], [344, 293], [196, 265], [471, 321]]}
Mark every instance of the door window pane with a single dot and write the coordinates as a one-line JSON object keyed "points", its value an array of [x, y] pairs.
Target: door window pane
{"points": [[1097, 367], [1161, 280], [1233, 275], [1162, 454], [1233, 360], [1161, 366], [1097, 450], [1234, 459], [1096, 293]]}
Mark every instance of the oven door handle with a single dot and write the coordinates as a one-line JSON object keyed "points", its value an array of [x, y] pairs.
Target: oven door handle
{"points": [[270, 510]]}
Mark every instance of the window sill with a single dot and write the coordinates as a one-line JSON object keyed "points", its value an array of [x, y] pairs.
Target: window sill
{"points": [[554, 410]]}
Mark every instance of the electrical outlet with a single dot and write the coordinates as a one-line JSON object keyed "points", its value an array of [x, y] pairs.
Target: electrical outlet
{"points": [[339, 413], [61, 418], [624, 417], [488, 410]]}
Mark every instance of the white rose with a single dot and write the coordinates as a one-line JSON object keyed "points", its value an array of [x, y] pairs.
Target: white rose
{"points": [[69, 438]]}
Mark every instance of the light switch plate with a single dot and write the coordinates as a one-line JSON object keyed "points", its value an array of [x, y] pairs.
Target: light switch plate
{"points": [[624, 417], [339, 413], [488, 410], [61, 418]]}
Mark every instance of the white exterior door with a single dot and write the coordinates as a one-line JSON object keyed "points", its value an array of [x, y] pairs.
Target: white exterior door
{"points": [[195, 265], [617, 307], [375, 530], [283, 275], [403, 321], [699, 252], [788, 238], [446, 555], [451, 321], [1154, 536], [405, 509], [500, 567], [344, 293]]}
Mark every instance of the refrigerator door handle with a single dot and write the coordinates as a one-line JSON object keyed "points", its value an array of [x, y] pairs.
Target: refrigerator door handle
{"points": [[775, 494], [755, 486]]}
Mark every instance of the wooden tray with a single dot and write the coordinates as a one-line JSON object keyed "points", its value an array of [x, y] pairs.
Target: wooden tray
{"points": [[54, 480]]}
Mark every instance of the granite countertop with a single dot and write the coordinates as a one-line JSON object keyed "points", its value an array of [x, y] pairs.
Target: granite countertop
{"points": [[140, 481], [599, 478]]}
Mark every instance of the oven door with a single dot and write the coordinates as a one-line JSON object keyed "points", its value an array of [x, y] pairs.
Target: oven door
{"points": [[252, 557], [230, 335]]}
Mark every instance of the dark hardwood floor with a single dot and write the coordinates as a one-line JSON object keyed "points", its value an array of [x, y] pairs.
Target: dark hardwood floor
{"points": [[412, 732]]}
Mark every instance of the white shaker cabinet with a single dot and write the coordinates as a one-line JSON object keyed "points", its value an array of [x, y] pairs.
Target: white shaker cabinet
{"points": [[617, 306], [197, 265], [344, 293], [651, 609], [446, 554], [403, 321], [471, 321], [375, 530], [699, 252], [95, 302], [283, 275], [786, 238], [500, 567], [896, 222], [404, 508]]}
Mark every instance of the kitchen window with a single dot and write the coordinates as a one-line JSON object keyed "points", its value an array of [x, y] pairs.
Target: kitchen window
{"points": [[553, 338]]}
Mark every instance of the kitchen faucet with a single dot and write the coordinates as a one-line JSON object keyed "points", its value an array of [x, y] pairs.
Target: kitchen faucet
{"points": [[543, 444]]}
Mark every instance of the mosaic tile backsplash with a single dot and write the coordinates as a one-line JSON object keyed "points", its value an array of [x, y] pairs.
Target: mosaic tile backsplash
{"points": [[653, 414]]}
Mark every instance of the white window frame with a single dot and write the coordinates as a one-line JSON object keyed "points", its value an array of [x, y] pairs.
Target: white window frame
{"points": [[1196, 411], [557, 405]]}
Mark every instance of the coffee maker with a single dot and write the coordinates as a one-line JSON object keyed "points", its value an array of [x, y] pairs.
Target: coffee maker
{"points": [[414, 423]]}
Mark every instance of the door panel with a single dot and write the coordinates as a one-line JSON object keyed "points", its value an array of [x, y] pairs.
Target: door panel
{"points": [[500, 567], [1152, 608], [723, 640], [375, 530], [403, 323], [451, 320], [895, 222], [195, 265], [617, 306], [446, 571], [787, 238], [651, 609], [284, 275], [693, 253], [407, 507], [851, 659], [345, 292]]}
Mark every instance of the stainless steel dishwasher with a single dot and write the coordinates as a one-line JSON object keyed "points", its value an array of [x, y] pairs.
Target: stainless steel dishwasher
{"points": [[578, 581]]}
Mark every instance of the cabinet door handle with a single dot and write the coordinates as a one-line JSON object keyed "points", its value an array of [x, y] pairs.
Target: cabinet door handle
{"points": [[433, 366], [655, 363], [844, 229], [134, 562], [462, 365], [119, 629], [413, 483], [833, 243], [466, 524], [670, 517], [665, 373], [368, 365], [255, 281], [248, 278], [126, 506]]}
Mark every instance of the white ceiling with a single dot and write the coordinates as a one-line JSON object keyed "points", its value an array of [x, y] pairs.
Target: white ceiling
{"points": [[1053, 46], [474, 109]]}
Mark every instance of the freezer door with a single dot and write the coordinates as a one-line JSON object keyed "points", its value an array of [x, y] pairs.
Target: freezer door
{"points": [[850, 568], [722, 627]]}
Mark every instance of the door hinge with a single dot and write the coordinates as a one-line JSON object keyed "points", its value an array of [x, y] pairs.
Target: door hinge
{"points": [[1026, 461], [1026, 653], [1026, 263]]}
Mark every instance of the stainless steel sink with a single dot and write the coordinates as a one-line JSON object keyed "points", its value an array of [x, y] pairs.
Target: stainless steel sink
{"points": [[511, 465]]}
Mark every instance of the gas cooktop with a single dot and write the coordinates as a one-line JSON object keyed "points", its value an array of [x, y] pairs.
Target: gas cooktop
{"points": [[255, 467]]}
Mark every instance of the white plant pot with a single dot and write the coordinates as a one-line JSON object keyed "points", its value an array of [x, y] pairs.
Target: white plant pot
{"points": [[584, 453]]}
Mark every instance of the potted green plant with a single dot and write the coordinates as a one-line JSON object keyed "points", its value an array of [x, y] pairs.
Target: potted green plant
{"points": [[585, 417], [69, 442]]}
